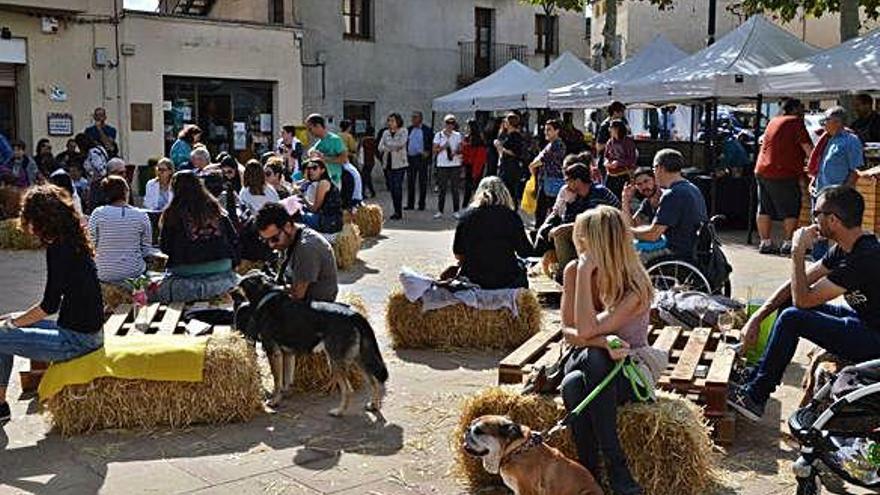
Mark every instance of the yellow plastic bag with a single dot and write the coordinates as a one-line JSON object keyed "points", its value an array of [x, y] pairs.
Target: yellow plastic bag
{"points": [[529, 201]]}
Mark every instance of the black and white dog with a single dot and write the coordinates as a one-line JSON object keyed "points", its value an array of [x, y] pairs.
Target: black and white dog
{"points": [[287, 327]]}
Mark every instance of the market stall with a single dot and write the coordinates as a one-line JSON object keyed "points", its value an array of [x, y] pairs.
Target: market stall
{"points": [[507, 80]]}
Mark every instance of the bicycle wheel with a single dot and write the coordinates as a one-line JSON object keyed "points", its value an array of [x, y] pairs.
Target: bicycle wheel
{"points": [[673, 274]]}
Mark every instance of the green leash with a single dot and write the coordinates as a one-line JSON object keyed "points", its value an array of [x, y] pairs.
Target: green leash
{"points": [[632, 373]]}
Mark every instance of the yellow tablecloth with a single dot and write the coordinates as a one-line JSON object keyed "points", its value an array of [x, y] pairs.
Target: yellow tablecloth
{"points": [[134, 357]]}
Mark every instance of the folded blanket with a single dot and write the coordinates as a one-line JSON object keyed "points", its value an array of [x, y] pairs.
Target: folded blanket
{"points": [[134, 357], [420, 287]]}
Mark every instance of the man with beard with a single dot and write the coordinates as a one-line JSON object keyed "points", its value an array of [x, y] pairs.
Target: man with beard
{"points": [[642, 195], [850, 269]]}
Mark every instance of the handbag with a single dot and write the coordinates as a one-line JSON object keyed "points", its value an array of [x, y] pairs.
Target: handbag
{"points": [[529, 201]]}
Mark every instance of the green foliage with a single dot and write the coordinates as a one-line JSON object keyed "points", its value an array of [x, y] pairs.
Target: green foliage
{"points": [[788, 9], [552, 5]]}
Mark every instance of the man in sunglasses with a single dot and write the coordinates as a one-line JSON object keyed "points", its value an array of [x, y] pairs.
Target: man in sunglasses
{"points": [[850, 269], [309, 267]]}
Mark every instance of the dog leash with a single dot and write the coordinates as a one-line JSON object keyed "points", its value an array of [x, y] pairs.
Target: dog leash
{"points": [[630, 370]]}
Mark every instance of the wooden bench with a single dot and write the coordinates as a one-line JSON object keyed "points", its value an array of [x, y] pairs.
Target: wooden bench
{"points": [[162, 319], [699, 368]]}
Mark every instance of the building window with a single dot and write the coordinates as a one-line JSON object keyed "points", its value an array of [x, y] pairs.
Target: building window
{"points": [[360, 114], [276, 11], [356, 14], [588, 28], [551, 40]]}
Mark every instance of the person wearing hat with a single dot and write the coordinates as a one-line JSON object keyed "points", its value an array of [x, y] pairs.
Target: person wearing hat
{"points": [[447, 149], [834, 162]]}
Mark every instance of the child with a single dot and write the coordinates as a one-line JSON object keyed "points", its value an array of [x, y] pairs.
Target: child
{"points": [[75, 170]]}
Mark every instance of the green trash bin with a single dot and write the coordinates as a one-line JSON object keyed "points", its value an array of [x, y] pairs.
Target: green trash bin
{"points": [[754, 354]]}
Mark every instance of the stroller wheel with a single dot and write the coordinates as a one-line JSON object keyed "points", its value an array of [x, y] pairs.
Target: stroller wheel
{"points": [[808, 485]]}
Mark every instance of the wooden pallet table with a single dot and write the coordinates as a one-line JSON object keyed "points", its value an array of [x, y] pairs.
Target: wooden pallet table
{"points": [[161, 319], [700, 365], [549, 292]]}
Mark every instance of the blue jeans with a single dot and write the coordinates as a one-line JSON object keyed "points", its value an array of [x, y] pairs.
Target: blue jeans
{"points": [[44, 341], [395, 184], [836, 329]]}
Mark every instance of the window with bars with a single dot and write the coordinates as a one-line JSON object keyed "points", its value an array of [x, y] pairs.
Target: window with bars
{"points": [[548, 40], [356, 14]]}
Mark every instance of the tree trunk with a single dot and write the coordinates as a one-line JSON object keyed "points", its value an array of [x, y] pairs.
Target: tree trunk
{"points": [[609, 35], [849, 19]]}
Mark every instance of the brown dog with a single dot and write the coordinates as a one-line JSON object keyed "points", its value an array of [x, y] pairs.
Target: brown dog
{"points": [[527, 465]]}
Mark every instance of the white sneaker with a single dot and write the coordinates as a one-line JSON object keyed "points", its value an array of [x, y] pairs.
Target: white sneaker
{"points": [[438, 216], [456, 215]]}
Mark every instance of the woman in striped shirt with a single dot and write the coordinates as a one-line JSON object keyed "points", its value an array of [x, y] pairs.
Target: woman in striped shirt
{"points": [[122, 234]]}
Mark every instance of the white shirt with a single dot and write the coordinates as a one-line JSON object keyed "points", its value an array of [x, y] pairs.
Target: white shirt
{"points": [[358, 193], [153, 196], [254, 202], [454, 141]]}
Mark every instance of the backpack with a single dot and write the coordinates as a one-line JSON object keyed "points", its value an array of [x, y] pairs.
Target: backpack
{"points": [[691, 309], [710, 258]]}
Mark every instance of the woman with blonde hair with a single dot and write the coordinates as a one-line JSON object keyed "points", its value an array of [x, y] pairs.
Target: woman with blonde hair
{"points": [[606, 294], [488, 238]]}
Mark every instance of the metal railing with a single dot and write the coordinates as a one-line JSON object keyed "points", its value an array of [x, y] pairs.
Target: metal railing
{"points": [[477, 62]]}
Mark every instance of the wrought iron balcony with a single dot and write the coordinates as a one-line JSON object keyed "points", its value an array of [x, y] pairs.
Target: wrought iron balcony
{"points": [[478, 60]]}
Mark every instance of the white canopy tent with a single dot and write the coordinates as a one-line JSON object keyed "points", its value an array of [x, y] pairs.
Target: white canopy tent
{"points": [[566, 69], [599, 91], [727, 69], [851, 66], [507, 80]]}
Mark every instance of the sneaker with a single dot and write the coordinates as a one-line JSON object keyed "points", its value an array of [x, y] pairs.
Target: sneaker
{"points": [[438, 215], [5, 413], [767, 247], [785, 249], [740, 374], [739, 399]]}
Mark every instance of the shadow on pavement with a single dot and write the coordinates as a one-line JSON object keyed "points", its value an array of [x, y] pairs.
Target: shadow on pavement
{"points": [[452, 360]]}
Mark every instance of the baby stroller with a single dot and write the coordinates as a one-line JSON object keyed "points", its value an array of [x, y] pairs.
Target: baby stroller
{"points": [[840, 428]]}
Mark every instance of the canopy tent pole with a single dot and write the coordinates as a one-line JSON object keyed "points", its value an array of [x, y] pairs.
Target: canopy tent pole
{"points": [[753, 183], [713, 162]]}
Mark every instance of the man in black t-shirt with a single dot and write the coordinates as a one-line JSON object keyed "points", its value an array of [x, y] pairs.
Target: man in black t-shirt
{"points": [[511, 148], [851, 269]]}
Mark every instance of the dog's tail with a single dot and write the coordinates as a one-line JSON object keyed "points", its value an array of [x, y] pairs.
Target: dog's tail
{"points": [[371, 358]]}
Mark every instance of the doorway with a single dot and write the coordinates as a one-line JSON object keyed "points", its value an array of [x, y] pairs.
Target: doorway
{"points": [[484, 36], [7, 113]]}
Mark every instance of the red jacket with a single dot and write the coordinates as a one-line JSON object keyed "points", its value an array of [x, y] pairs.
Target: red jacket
{"points": [[474, 158]]}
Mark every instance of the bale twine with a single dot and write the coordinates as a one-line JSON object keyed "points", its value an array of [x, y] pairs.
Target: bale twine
{"points": [[312, 371], [229, 392], [368, 217], [10, 201], [13, 237], [346, 246], [666, 443], [460, 325], [114, 295]]}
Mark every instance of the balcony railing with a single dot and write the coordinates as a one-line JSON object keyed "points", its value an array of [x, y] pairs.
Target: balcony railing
{"points": [[186, 7], [478, 60]]}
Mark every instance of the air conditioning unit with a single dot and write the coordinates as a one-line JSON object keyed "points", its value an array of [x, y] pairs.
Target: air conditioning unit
{"points": [[49, 25]]}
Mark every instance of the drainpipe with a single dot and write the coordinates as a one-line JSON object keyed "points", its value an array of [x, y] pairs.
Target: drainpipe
{"points": [[298, 41]]}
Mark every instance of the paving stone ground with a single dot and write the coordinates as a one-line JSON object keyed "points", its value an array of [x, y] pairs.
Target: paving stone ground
{"points": [[300, 450]]}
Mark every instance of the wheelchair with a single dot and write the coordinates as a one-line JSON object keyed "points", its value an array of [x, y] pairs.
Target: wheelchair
{"points": [[708, 271]]}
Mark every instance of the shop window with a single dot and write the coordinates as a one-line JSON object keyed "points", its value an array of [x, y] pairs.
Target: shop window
{"points": [[360, 114], [546, 39], [235, 116], [356, 14]]}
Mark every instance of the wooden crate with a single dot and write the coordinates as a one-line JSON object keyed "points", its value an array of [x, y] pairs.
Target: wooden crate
{"points": [[163, 320], [869, 187], [699, 367]]}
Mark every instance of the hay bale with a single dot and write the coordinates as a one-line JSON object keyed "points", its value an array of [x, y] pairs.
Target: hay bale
{"points": [[312, 373], [461, 325], [230, 392], [10, 201], [13, 237], [114, 295], [369, 218], [666, 443], [346, 246]]}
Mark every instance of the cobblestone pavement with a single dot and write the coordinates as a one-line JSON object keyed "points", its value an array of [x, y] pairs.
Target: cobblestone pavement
{"points": [[300, 450]]}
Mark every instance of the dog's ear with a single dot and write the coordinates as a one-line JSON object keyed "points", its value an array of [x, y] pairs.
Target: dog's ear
{"points": [[511, 431]]}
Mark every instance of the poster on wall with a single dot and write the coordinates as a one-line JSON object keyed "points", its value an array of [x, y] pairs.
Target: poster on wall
{"points": [[265, 122], [60, 124], [239, 135]]}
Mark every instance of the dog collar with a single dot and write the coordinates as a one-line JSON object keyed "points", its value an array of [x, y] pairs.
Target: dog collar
{"points": [[265, 299], [533, 441]]}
